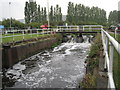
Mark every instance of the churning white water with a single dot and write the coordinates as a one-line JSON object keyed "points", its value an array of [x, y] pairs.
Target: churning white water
{"points": [[62, 67]]}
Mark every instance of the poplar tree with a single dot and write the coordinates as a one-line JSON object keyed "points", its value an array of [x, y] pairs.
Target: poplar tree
{"points": [[26, 12], [39, 14], [51, 16], [44, 15], [113, 17]]}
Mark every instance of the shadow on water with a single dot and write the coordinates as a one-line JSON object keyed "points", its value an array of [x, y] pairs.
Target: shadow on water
{"points": [[61, 67]]}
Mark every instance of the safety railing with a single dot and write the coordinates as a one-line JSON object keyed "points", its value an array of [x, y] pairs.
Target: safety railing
{"points": [[80, 28], [109, 44], [22, 33]]}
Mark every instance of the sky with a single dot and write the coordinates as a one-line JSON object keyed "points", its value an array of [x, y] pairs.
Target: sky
{"points": [[16, 8]]}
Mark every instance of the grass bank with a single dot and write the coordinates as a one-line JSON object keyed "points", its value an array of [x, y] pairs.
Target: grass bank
{"points": [[116, 63], [89, 81], [20, 37], [19, 40]]}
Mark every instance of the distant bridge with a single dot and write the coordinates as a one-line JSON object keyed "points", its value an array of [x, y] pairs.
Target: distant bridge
{"points": [[74, 32], [109, 43]]}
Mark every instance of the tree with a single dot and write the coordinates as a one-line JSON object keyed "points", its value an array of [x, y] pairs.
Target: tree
{"points": [[39, 14], [34, 25], [119, 17], [70, 13], [51, 14], [30, 12], [27, 13], [60, 14], [44, 15], [113, 17], [15, 23], [80, 14]]}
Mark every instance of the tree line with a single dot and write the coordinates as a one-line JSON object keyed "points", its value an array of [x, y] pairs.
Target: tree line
{"points": [[80, 14], [77, 14], [35, 13], [114, 17]]}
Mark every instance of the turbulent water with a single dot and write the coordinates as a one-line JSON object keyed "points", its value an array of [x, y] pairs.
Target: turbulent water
{"points": [[62, 67]]}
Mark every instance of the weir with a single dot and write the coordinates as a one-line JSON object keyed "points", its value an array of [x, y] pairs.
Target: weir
{"points": [[60, 67], [63, 66]]}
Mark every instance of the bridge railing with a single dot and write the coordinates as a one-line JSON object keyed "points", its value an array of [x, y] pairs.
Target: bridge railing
{"points": [[109, 41], [80, 28]]}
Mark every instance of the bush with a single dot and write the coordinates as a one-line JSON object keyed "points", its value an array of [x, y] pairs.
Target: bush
{"points": [[94, 54], [88, 81]]}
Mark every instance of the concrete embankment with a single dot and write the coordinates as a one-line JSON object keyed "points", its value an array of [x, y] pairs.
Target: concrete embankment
{"points": [[12, 54]]}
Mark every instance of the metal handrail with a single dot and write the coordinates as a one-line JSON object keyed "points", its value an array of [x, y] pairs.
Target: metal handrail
{"points": [[113, 41], [106, 38]]}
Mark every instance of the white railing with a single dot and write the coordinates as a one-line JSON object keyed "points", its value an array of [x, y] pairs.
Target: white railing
{"points": [[80, 28], [31, 32], [109, 41]]}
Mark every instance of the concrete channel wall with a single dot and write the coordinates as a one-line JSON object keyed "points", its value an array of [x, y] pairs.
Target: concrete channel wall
{"points": [[12, 55]]}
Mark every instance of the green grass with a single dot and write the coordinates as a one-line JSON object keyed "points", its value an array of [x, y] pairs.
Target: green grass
{"points": [[117, 37], [116, 71], [116, 62], [19, 38]]}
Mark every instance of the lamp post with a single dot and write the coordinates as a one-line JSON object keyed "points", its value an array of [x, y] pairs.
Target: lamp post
{"points": [[10, 13], [48, 14]]}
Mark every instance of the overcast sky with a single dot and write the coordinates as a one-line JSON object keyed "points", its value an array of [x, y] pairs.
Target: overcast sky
{"points": [[16, 9]]}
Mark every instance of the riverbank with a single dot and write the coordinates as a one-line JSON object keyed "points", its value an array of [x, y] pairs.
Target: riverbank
{"points": [[60, 67], [16, 51], [95, 77]]}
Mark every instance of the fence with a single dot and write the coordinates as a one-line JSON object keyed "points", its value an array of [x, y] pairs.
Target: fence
{"points": [[80, 28], [29, 32], [109, 41]]}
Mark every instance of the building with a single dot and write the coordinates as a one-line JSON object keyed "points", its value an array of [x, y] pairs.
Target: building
{"points": [[119, 6], [31, 0]]}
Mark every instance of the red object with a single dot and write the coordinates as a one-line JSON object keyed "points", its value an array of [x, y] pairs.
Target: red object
{"points": [[119, 28], [45, 26]]}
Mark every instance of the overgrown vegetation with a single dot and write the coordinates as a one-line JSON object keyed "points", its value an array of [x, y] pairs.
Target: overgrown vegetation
{"points": [[94, 54], [89, 81], [59, 41]]}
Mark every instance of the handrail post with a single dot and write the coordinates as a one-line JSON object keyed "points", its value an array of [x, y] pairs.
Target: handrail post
{"points": [[37, 32], [13, 36], [111, 53], [83, 28], [77, 28], [105, 50], [23, 35], [115, 33], [31, 32]]}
